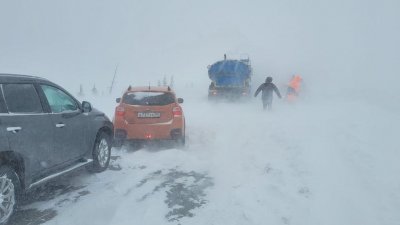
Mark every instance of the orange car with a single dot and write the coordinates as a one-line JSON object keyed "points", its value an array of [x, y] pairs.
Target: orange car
{"points": [[149, 113]]}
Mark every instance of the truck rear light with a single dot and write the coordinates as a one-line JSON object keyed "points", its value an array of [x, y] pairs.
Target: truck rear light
{"points": [[148, 136], [120, 111], [177, 111]]}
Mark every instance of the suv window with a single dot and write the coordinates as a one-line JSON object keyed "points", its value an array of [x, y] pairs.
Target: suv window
{"points": [[148, 98], [58, 100], [22, 98], [3, 108]]}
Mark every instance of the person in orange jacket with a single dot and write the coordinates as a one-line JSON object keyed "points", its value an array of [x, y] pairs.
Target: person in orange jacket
{"points": [[294, 88]]}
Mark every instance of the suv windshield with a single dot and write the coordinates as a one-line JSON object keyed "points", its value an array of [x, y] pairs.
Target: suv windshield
{"points": [[148, 98]]}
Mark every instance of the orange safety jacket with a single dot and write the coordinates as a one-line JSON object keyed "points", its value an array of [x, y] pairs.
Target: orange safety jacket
{"points": [[295, 83]]}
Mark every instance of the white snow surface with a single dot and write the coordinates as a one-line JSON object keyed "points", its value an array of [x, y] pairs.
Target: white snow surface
{"points": [[313, 162], [330, 158]]}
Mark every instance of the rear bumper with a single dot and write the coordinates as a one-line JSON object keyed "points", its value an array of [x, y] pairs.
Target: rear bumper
{"points": [[160, 131], [229, 92]]}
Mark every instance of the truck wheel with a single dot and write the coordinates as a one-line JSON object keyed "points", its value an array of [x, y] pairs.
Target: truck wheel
{"points": [[101, 152], [9, 190]]}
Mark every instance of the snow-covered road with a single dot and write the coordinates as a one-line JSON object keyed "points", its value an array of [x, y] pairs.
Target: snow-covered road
{"points": [[310, 163]]}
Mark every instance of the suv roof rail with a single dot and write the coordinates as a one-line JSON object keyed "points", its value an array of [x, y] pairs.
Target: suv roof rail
{"points": [[22, 76]]}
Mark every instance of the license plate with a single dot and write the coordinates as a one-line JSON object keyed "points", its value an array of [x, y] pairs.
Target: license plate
{"points": [[148, 114]]}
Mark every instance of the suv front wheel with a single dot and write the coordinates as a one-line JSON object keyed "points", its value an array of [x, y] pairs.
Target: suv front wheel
{"points": [[9, 188], [101, 152]]}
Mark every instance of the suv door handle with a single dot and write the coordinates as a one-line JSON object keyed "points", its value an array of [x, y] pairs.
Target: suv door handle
{"points": [[14, 129], [60, 125]]}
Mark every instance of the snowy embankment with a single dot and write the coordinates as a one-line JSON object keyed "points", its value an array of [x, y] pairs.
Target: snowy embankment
{"points": [[315, 162]]}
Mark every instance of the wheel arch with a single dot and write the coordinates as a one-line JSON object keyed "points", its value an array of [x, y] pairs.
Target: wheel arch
{"points": [[108, 130], [16, 162]]}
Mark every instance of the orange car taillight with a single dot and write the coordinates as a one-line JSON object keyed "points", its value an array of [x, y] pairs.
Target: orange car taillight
{"points": [[177, 111], [120, 111]]}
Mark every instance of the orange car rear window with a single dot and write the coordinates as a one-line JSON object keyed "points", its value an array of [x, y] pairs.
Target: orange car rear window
{"points": [[148, 98]]}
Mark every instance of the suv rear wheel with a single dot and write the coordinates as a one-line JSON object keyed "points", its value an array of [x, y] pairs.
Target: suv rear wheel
{"points": [[101, 152], [181, 141], [9, 189]]}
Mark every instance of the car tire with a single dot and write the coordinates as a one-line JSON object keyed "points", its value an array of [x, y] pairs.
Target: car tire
{"points": [[118, 143], [101, 152], [135, 145], [10, 187], [181, 141]]}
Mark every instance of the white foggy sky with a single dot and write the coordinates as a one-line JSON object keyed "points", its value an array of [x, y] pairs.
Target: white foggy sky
{"points": [[345, 42]]}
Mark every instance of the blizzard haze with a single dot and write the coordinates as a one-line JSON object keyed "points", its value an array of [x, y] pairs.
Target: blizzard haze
{"points": [[330, 158], [347, 43]]}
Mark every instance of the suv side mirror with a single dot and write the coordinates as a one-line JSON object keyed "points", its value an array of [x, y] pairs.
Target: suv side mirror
{"points": [[86, 106], [180, 100], [118, 100]]}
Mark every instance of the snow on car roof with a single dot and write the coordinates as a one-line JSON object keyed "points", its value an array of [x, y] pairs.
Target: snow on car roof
{"points": [[150, 88]]}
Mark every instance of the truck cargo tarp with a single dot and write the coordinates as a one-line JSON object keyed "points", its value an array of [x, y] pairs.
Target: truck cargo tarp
{"points": [[232, 68]]}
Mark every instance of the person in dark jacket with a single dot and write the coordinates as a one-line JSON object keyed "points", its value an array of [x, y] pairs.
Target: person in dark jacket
{"points": [[267, 88]]}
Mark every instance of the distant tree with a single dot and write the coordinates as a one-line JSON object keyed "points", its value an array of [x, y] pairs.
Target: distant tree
{"points": [[94, 90], [171, 83], [159, 83], [80, 93], [165, 81]]}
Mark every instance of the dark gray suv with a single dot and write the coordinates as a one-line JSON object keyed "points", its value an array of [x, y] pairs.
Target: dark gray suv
{"points": [[44, 133]]}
